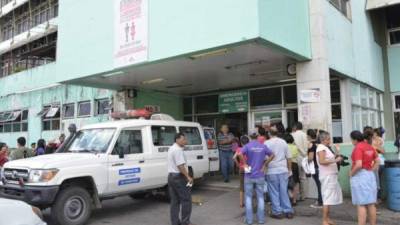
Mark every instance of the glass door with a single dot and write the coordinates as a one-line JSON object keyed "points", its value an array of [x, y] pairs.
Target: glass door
{"points": [[266, 118]]}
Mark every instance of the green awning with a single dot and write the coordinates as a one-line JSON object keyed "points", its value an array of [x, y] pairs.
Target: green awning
{"points": [[376, 4]]}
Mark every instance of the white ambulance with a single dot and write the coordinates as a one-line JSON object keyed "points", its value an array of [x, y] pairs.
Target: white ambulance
{"points": [[103, 161]]}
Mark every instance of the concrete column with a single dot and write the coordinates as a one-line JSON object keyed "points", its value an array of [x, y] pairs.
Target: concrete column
{"points": [[315, 74]]}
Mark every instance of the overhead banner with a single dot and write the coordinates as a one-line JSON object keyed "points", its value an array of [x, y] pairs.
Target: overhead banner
{"points": [[131, 32], [233, 102]]}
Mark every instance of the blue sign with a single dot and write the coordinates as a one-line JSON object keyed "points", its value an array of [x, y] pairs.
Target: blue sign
{"points": [[129, 171], [129, 181]]}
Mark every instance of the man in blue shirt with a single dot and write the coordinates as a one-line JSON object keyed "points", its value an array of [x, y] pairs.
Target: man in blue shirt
{"points": [[258, 156]]}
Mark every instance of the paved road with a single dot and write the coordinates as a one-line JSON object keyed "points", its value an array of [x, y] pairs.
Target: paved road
{"points": [[220, 207]]}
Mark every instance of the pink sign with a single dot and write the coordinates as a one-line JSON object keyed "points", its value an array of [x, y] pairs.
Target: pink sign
{"points": [[131, 32]]}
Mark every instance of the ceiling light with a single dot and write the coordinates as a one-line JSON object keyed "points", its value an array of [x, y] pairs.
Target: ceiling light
{"points": [[287, 80], [153, 81], [210, 53], [246, 64], [112, 74], [178, 86]]}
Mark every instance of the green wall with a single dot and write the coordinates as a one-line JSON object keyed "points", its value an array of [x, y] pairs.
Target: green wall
{"points": [[285, 23], [169, 104], [352, 49], [394, 68], [34, 102], [27, 80], [85, 45]]}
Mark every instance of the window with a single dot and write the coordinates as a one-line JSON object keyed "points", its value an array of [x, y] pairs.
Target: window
{"points": [[91, 140], [336, 112], [364, 96], [393, 24], [207, 104], [130, 142], [396, 103], [187, 106], [290, 94], [163, 135], [372, 99], [50, 117], [188, 118], [367, 109], [192, 135], [69, 111], [14, 121], [355, 93], [103, 106], [394, 36], [84, 109], [343, 6], [337, 123], [258, 97], [335, 91]]}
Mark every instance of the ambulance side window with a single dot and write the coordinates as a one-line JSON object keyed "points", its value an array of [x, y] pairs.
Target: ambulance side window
{"points": [[163, 135], [192, 135], [130, 142]]}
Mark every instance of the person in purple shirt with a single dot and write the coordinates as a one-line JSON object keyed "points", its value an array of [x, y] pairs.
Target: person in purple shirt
{"points": [[258, 156], [41, 147]]}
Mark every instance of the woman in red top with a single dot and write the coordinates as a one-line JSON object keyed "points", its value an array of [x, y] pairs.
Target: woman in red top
{"points": [[362, 178]]}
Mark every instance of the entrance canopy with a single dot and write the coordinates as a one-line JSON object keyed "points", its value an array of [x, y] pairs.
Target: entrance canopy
{"points": [[376, 4], [246, 65]]}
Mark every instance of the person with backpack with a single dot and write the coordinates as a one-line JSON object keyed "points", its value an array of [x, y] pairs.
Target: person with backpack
{"points": [[21, 152]]}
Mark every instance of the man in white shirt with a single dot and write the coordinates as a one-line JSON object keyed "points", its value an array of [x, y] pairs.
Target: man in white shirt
{"points": [[300, 139], [278, 173], [179, 182]]}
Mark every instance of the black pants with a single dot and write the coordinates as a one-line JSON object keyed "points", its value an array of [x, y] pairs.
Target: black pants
{"points": [[181, 199], [318, 183]]}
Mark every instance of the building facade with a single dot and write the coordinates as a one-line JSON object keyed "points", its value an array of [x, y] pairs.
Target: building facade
{"points": [[332, 64]]}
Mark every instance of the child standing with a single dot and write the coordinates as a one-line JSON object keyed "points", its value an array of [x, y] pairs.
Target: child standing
{"points": [[294, 180], [243, 141]]}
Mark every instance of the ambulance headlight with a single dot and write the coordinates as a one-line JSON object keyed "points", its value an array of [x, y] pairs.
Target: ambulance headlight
{"points": [[38, 176]]}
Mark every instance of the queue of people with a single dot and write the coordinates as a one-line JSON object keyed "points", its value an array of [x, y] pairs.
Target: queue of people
{"points": [[273, 161], [38, 148]]}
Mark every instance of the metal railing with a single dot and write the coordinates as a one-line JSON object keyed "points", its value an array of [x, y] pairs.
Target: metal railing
{"points": [[29, 19], [10, 67]]}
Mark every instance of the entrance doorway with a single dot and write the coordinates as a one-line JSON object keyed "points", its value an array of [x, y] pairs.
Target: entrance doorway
{"points": [[237, 122]]}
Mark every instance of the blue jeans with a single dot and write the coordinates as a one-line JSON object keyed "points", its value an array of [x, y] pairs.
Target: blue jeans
{"points": [[226, 160], [249, 185], [278, 193]]}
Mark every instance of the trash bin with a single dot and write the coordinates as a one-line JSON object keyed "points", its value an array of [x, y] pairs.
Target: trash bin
{"points": [[392, 171]]}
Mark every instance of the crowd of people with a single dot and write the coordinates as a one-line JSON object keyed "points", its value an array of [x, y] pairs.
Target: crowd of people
{"points": [[37, 148], [274, 164]]}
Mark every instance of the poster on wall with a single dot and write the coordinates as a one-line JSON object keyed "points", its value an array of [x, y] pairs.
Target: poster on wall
{"points": [[310, 95], [131, 32]]}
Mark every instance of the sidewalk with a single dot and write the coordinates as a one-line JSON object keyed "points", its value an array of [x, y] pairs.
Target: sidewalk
{"points": [[224, 210]]}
